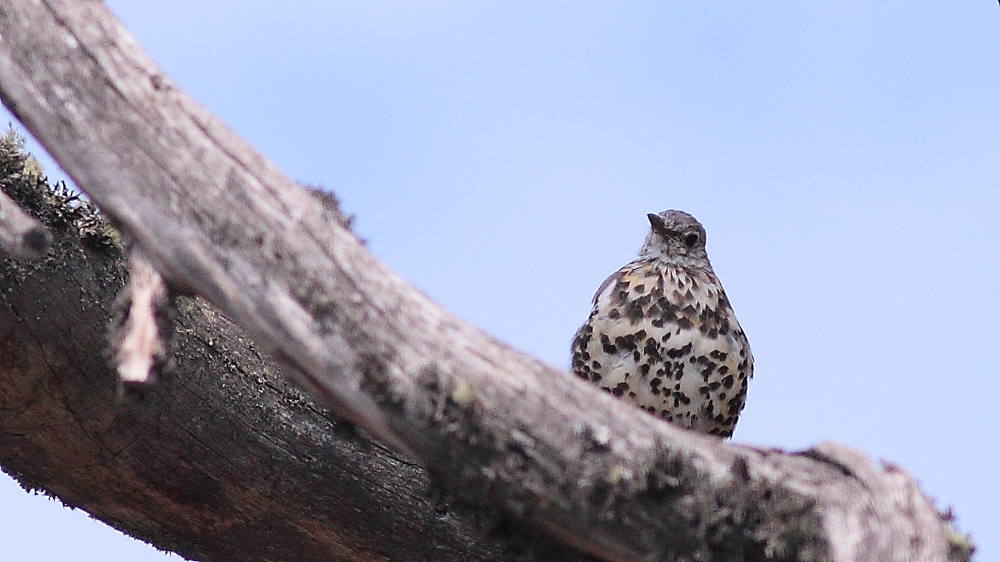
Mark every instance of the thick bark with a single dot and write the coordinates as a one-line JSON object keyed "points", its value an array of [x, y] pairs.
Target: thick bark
{"points": [[496, 428], [223, 461]]}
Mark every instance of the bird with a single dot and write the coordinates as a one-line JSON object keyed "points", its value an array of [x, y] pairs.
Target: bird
{"points": [[663, 334]]}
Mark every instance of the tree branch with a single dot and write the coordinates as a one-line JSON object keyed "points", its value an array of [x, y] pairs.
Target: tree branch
{"points": [[223, 461], [495, 427]]}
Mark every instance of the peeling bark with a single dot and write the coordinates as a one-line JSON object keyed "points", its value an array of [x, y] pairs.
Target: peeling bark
{"points": [[139, 337]]}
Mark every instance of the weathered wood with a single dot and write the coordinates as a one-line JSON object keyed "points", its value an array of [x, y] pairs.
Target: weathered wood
{"points": [[498, 429], [223, 461], [139, 338]]}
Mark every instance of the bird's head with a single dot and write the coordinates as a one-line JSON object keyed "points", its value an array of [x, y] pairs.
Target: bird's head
{"points": [[676, 237]]}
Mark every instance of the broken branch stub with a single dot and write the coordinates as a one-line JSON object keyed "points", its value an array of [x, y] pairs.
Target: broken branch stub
{"points": [[139, 335], [21, 235]]}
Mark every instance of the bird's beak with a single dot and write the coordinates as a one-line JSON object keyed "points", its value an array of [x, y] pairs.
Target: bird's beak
{"points": [[656, 221]]}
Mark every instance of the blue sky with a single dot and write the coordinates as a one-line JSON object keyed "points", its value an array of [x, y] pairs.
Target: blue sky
{"points": [[844, 158]]}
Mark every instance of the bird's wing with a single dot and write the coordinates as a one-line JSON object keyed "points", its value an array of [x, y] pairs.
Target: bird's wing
{"points": [[613, 278]]}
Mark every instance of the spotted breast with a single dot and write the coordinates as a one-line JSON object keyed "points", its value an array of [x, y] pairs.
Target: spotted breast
{"points": [[663, 334]]}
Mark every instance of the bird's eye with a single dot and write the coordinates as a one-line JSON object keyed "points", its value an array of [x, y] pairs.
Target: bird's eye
{"points": [[691, 239]]}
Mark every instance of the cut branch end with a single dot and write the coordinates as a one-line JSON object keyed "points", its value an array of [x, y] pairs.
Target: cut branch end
{"points": [[21, 235]]}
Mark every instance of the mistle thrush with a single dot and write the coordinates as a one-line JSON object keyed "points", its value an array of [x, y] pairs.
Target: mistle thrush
{"points": [[663, 335]]}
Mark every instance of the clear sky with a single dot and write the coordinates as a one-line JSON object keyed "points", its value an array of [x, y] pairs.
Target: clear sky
{"points": [[844, 158]]}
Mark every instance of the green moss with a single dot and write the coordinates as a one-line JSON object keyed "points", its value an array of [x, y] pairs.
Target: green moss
{"points": [[57, 206]]}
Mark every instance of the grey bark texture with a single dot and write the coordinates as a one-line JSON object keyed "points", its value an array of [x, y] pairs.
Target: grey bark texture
{"points": [[497, 430]]}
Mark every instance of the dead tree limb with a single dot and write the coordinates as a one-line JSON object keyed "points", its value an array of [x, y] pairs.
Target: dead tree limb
{"points": [[494, 427], [21, 236], [223, 462]]}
